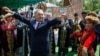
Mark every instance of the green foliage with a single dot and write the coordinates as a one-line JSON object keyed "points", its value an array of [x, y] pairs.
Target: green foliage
{"points": [[91, 5], [17, 3]]}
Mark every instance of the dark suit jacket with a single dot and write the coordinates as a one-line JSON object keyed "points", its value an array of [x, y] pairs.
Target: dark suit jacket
{"points": [[82, 25], [97, 28], [39, 37]]}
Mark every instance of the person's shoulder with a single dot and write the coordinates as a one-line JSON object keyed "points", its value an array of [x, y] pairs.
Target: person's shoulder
{"points": [[97, 27], [46, 20], [70, 20], [32, 20], [81, 21]]}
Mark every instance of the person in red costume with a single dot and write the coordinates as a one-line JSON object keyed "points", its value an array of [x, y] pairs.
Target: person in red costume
{"points": [[87, 36], [9, 37]]}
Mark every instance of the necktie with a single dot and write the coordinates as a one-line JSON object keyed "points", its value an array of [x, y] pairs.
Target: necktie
{"points": [[38, 25]]}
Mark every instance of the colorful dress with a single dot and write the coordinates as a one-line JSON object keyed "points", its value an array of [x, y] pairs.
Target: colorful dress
{"points": [[8, 38], [87, 38]]}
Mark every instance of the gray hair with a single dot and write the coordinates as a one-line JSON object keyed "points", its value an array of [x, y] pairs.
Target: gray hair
{"points": [[37, 11]]}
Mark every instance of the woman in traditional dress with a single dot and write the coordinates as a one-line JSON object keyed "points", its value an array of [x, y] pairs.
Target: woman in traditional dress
{"points": [[87, 37], [9, 37]]}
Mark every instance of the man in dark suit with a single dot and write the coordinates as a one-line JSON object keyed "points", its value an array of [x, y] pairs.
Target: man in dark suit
{"points": [[39, 29], [82, 22]]}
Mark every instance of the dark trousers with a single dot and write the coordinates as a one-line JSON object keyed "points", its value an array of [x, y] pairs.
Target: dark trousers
{"points": [[39, 54], [0, 49], [94, 46], [62, 51], [53, 45], [0, 45]]}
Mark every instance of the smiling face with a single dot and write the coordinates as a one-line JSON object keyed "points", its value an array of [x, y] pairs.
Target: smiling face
{"points": [[89, 25], [9, 19], [39, 15]]}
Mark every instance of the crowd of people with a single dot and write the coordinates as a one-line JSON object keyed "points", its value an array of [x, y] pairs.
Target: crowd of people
{"points": [[34, 33]]}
